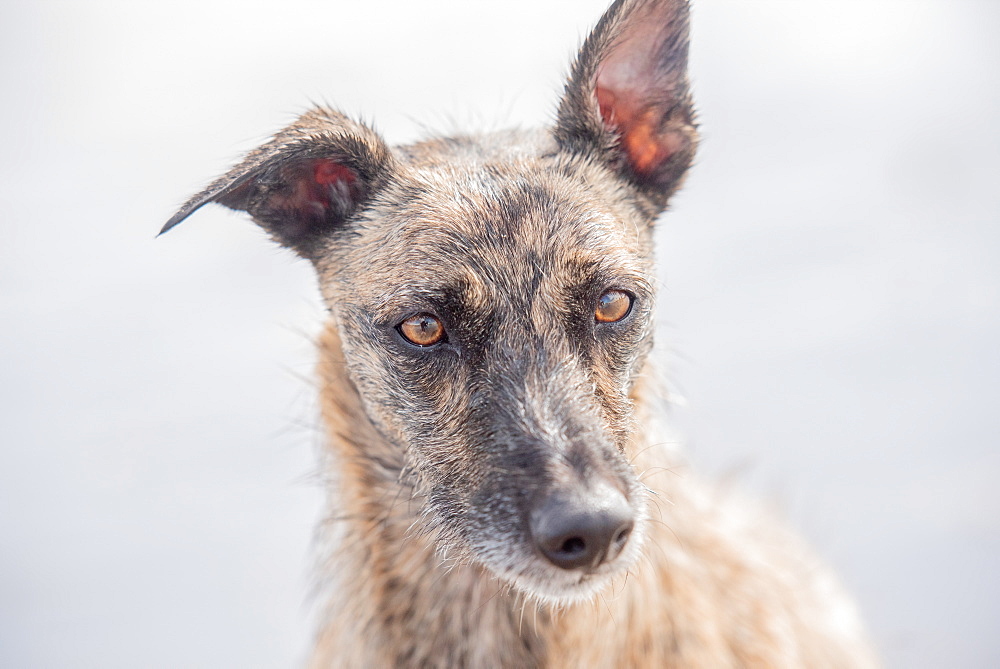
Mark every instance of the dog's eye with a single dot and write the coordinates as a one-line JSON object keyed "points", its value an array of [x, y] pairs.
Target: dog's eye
{"points": [[422, 330], [613, 306]]}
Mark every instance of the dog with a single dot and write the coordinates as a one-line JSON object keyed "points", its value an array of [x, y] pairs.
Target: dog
{"points": [[501, 496]]}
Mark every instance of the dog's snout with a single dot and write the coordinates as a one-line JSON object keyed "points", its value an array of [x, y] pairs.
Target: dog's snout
{"points": [[582, 530]]}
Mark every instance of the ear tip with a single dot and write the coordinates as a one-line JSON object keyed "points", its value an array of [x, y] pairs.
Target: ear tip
{"points": [[179, 217], [169, 224]]}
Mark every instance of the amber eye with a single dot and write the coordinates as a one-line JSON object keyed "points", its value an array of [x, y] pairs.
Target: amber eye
{"points": [[422, 330], [612, 306]]}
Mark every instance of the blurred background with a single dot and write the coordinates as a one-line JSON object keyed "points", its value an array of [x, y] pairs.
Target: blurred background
{"points": [[830, 308]]}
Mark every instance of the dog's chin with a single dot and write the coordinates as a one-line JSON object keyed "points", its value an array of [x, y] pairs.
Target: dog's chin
{"points": [[565, 589]]}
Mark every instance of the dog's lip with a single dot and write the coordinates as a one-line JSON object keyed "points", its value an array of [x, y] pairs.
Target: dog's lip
{"points": [[566, 579]]}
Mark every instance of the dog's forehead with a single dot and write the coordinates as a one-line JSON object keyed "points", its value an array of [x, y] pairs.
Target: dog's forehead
{"points": [[495, 228], [504, 208], [509, 191]]}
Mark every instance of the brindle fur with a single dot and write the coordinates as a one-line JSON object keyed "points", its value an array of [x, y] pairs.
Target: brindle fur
{"points": [[438, 456]]}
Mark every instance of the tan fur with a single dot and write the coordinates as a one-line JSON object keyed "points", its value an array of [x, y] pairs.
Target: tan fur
{"points": [[465, 473]]}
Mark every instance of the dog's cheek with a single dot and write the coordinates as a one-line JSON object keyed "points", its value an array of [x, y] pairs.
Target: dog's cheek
{"points": [[624, 347], [398, 392], [430, 400], [495, 522], [377, 387], [616, 365]]}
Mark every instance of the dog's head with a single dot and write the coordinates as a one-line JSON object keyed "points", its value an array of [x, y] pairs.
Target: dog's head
{"points": [[493, 296]]}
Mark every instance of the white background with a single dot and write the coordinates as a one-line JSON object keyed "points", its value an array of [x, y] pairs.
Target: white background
{"points": [[830, 310]]}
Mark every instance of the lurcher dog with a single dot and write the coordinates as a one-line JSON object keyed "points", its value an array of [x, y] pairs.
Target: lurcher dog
{"points": [[501, 500]]}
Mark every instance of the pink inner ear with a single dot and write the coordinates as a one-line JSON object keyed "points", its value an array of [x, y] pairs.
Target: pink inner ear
{"points": [[327, 172], [638, 125], [315, 184], [640, 81]]}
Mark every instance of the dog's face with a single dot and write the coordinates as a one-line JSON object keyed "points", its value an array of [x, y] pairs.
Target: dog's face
{"points": [[493, 322], [493, 297]]}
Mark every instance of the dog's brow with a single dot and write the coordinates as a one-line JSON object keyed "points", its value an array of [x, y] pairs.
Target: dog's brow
{"points": [[611, 265], [467, 292], [395, 304]]}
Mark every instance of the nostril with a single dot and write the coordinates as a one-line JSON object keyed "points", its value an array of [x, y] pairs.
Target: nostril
{"points": [[567, 551], [621, 538], [573, 546]]}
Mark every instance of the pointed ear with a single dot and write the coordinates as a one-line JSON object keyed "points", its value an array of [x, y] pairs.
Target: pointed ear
{"points": [[628, 101], [305, 182]]}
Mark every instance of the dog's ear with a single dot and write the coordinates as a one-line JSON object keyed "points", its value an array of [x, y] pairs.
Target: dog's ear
{"points": [[628, 100], [305, 182]]}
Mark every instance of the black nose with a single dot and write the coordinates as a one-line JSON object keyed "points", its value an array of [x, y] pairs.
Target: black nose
{"points": [[581, 530]]}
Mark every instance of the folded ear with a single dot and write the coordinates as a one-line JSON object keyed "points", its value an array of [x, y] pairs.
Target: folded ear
{"points": [[628, 100], [305, 182]]}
